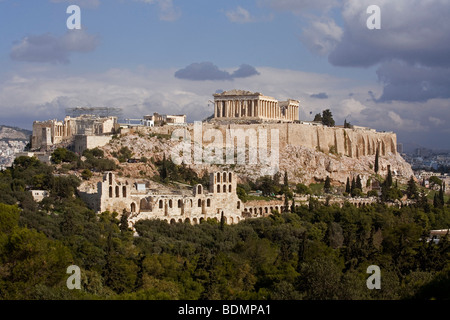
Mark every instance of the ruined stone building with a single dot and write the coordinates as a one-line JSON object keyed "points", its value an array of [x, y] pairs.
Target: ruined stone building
{"points": [[51, 132], [193, 206], [246, 105]]}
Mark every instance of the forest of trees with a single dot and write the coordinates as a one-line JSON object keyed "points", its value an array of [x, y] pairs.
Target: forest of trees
{"points": [[315, 252]]}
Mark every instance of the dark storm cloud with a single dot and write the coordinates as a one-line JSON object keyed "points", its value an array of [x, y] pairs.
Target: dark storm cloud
{"points": [[412, 83], [209, 71], [321, 95], [412, 47], [48, 48], [245, 71]]}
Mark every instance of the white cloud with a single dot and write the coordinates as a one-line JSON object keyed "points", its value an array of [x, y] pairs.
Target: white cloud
{"points": [[167, 10], [321, 35], [45, 93], [53, 49], [239, 15]]}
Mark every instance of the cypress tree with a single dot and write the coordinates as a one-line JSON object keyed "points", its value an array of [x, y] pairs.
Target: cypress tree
{"points": [[347, 186], [327, 185], [411, 191], [441, 196], [436, 201], [389, 177], [358, 183], [376, 161], [353, 185]]}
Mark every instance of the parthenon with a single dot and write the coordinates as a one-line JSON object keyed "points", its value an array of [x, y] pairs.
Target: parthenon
{"points": [[240, 104]]}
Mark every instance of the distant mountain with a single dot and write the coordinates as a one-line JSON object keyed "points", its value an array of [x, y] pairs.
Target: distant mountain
{"points": [[14, 133]]}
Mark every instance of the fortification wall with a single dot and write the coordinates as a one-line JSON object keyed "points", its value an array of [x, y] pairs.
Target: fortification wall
{"points": [[353, 143]]}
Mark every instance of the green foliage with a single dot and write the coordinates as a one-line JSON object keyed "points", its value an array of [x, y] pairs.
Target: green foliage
{"points": [[314, 252], [412, 191], [86, 174], [63, 155], [327, 185], [301, 188]]}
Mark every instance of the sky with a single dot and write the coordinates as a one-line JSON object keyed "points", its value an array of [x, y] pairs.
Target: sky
{"points": [[170, 56]]}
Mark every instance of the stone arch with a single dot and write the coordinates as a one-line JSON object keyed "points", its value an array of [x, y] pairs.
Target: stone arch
{"points": [[271, 209], [260, 210], [224, 188], [229, 188], [218, 188], [161, 204], [224, 177], [194, 221], [180, 220], [237, 219], [110, 178], [202, 220], [191, 203], [250, 210], [180, 203], [199, 203], [208, 202], [124, 191], [117, 192], [266, 210], [110, 192], [133, 207], [199, 189], [238, 205], [170, 203], [230, 177], [230, 220], [187, 220], [172, 221], [218, 176]]}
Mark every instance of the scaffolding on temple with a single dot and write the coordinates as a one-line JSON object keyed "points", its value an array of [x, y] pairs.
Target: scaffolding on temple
{"points": [[102, 112]]}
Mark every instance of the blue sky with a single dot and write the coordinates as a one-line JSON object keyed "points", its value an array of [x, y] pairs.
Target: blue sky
{"points": [[172, 55]]}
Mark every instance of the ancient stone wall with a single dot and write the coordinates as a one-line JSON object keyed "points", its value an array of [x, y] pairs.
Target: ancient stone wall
{"points": [[353, 143]]}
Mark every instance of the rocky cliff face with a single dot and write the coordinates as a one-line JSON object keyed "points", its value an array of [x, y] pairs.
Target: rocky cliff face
{"points": [[303, 164]]}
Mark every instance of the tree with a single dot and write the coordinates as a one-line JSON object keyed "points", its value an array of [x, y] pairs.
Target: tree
{"points": [[435, 181], [358, 183], [327, 186], [63, 155], [411, 190], [318, 117], [347, 186], [347, 125], [353, 185], [377, 155], [86, 174], [389, 177], [327, 118], [441, 196], [301, 188], [123, 226]]}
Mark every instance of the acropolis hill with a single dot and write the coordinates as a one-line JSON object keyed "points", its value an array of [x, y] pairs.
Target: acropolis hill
{"points": [[309, 151]]}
